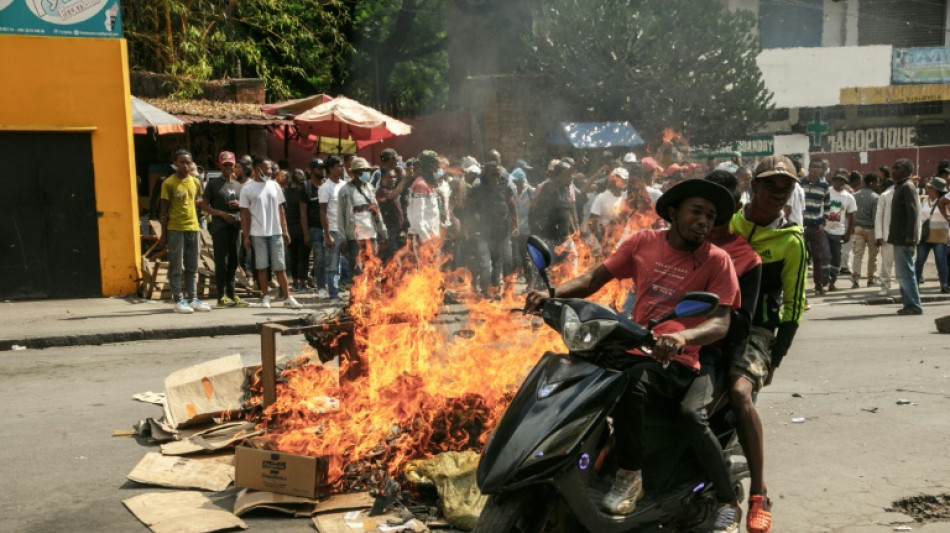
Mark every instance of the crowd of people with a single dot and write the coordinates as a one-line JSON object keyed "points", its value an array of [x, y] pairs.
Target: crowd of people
{"points": [[747, 236], [884, 218], [306, 230]]}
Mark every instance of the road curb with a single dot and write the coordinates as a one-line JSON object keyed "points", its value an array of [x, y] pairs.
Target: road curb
{"points": [[884, 300], [85, 339]]}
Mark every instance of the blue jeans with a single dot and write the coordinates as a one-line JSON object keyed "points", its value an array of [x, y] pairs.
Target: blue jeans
{"points": [[319, 267], [904, 268], [332, 264], [940, 255]]}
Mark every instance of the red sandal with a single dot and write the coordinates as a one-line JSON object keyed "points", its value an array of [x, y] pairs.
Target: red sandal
{"points": [[759, 516]]}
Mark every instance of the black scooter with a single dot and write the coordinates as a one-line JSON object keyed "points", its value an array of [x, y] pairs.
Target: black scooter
{"points": [[548, 463]]}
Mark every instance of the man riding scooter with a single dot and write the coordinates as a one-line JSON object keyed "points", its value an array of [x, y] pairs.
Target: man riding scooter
{"points": [[665, 265]]}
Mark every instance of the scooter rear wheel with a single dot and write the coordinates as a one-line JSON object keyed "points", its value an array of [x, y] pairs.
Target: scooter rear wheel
{"points": [[523, 511]]}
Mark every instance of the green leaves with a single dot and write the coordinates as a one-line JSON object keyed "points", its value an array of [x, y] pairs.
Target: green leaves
{"points": [[288, 43], [658, 63], [379, 50]]}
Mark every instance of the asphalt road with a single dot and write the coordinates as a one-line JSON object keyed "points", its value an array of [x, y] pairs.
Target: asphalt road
{"points": [[855, 453]]}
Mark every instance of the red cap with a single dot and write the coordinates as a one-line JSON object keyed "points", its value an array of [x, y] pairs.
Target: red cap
{"points": [[226, 157], [649, 164], [672, 169]]}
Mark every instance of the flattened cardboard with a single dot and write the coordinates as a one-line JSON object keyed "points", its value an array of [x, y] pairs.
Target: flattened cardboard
{"points": [[181, 512], [212, 473], [345, 502], [283, 473], [200, 392], [213, 439], [250, 500]]}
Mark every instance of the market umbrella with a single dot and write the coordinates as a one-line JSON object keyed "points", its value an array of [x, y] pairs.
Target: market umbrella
{"points": [[343, 118], [301, 137], [145, 116], [293, 108]]}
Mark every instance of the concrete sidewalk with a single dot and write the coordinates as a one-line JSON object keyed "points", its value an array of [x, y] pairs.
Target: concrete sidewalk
{"points": [[47, 323]]}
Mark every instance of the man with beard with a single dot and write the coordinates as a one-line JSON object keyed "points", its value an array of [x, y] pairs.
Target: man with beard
{"points": [[664, 266], [778, 311]]}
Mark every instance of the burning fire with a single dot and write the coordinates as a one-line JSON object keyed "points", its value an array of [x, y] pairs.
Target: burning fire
{"points": [[423, 389]]}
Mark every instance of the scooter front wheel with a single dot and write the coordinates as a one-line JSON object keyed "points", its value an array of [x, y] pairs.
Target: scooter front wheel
{"points": [[524, 511]]}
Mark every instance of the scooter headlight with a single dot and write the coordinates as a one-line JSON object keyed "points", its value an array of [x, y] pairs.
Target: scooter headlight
{"points": [[582, 336]]}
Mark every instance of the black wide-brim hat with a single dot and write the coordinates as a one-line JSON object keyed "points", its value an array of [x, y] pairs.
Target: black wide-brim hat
{"points": [[698, 188]]}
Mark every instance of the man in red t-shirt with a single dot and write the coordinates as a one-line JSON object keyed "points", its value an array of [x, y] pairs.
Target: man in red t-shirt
{"points": [[664, 266]]}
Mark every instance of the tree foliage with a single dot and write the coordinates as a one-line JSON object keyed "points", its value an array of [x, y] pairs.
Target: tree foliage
{"points": [[295, 46], [682, 64], [379, 51], [400, 59]]}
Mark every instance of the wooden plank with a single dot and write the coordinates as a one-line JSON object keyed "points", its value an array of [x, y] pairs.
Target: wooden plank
{"points": [[269, 363]]}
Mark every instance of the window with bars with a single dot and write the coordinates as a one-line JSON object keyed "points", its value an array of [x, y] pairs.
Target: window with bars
{"points": [[902, 23]]}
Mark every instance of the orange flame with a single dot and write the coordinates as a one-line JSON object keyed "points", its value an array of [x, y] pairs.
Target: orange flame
{"points": [[427, 384]]}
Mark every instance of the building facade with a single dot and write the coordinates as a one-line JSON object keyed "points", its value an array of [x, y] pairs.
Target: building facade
{"points": [[69, 211], [858, 82]]}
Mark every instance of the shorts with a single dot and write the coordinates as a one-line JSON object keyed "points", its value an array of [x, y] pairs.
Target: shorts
{"points": [[269, 253], [755, 362]]}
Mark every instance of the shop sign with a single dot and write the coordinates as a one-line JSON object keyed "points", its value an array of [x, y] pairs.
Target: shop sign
{"points": [[754, 146], [61, 18], [921, 65], [895, 94], [868, 139]]}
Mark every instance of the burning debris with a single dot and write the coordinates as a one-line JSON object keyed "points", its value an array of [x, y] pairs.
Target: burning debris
{"points": [[426, 369]]}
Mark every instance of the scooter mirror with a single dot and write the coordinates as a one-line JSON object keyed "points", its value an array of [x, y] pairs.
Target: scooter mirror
{"points": [[696, 304], [539, 252]]}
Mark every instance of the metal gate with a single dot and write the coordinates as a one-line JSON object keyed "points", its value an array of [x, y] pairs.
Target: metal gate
{"points": [[49, 232]]}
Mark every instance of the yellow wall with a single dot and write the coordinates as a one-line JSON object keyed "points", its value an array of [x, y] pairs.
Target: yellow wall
{"points": [[61, 83]]}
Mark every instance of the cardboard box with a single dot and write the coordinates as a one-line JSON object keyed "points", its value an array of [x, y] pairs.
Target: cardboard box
{"points": [[201, 392], [283, 473]]}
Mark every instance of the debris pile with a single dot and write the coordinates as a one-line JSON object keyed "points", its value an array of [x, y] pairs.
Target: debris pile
{"points": [[924, 507]]}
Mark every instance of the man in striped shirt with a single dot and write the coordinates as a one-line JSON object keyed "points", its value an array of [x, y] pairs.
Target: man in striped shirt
{"points": [[817, 207]]}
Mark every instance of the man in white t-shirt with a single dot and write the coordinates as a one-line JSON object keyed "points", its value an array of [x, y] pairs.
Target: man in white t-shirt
{"points": [[795, 208], [840, 225], [328, 197], [606, 206], [265, 229]]}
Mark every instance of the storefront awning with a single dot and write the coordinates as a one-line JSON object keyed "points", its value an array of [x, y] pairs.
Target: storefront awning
{"points": [[594, 135]]}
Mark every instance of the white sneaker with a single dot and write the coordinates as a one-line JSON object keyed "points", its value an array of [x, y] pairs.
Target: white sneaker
{"points": [[183, 307], [265, 302], [198, 305], [624, 493], [322, 293], [728, 518], [292, 303]]}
